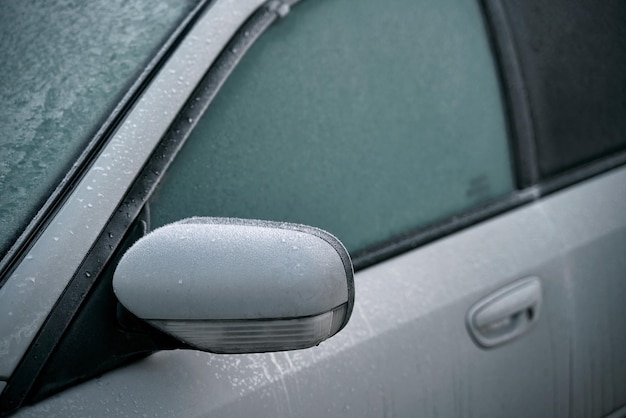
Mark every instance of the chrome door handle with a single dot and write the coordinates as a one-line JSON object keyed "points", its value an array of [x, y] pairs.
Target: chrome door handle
{"points": [[505, 314]]}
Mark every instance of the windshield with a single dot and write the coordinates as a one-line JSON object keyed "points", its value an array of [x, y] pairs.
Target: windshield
{"points": [[64, 66]]}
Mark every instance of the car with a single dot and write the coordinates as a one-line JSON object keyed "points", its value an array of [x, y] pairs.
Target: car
{"points": [[196, 196]]}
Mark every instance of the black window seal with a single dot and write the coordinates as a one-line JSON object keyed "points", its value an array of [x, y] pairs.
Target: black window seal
{"points": [[582, 172], [515, 96]]}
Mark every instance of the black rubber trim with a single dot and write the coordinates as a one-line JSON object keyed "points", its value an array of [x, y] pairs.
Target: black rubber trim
{"points": [[95, 340], [515, 95], [582, 173], [20, 247], [19, 387]]}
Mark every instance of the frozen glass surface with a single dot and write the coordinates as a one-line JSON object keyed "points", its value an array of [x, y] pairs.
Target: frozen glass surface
{"points": [[63, 67], [361, 117]]}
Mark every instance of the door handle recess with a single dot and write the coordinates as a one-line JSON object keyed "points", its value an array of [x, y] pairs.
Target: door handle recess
{"points": [[505, 314]]}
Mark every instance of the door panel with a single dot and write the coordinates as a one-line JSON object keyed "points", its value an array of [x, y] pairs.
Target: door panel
{"points": [[405, 352], [591, 219]]}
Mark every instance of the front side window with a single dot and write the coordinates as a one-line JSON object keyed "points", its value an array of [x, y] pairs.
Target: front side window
{"points": [[368, 119]]}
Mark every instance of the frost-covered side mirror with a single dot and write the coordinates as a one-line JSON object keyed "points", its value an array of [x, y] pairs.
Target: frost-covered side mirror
{"points": [[238, 286]]}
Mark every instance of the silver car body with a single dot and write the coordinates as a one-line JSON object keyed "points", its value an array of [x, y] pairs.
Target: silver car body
{"points": [[408, 349]]}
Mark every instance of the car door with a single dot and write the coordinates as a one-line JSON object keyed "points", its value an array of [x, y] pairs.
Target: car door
{"points": [[340, 127], [385, 124]]}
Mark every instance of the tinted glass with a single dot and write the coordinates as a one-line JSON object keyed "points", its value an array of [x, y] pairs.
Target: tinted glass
{"points": [[364, 118], [573, 58], [63, 67]]}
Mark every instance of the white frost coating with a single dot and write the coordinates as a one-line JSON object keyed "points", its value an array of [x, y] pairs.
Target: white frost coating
{"points": [[223, 271], [55, 261]]}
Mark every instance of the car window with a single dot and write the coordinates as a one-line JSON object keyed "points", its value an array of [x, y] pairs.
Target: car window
{"points": [[573, 58], [64, 66], [360, 117]]}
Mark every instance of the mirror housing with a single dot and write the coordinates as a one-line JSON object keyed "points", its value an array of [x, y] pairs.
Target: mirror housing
{"points": [[229, 285]]}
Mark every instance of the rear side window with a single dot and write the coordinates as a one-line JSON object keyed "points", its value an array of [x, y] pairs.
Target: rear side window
{"points": [[365, 118], [573, 58]]}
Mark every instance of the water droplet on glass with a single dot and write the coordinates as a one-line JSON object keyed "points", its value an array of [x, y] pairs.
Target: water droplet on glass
{"points": [[283, 10], [180, 282], [87, 274], [56, 238], [89, 188]]}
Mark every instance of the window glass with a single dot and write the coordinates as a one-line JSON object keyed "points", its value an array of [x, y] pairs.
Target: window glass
{"points": [[365, 118], [573, 57], [64, 66]]}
